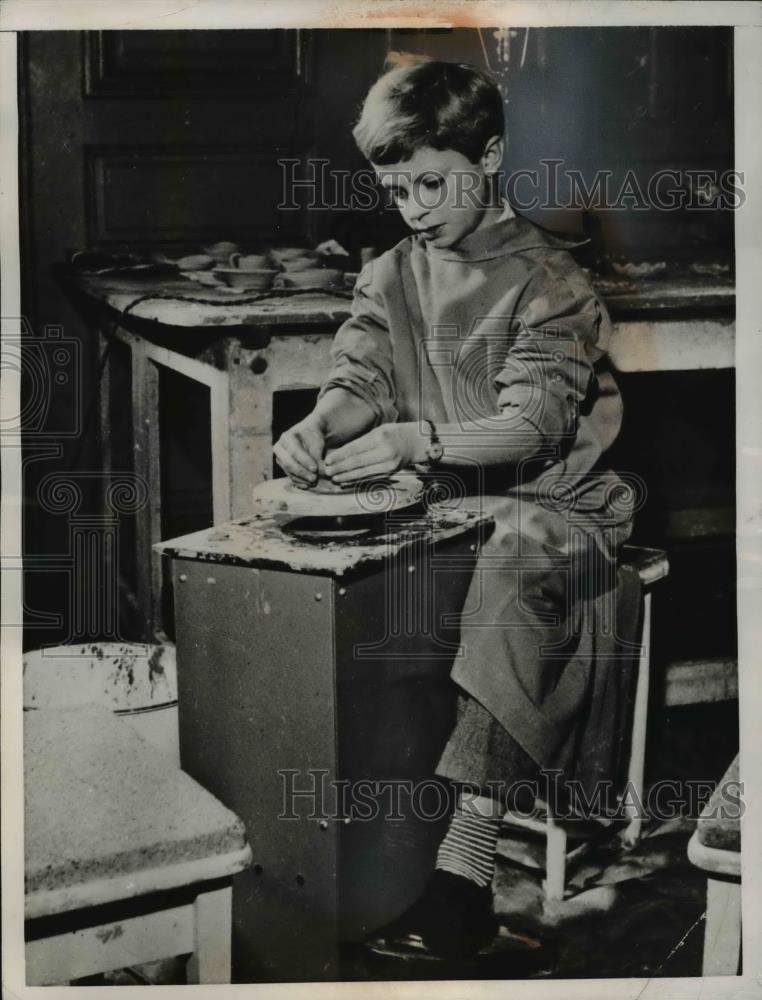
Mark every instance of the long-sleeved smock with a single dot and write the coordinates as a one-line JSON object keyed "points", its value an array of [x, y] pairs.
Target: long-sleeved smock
{"points": [[506, 332]]}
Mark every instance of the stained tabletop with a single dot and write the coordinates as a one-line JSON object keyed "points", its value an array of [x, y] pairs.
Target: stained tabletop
{"points": [[175, 301], [167, 298], [268, 540]]}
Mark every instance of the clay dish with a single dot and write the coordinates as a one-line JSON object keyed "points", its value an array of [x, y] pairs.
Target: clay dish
{"points": [[252, 280], [202, 277], [376, 497], [314, 277], [195, 262]]}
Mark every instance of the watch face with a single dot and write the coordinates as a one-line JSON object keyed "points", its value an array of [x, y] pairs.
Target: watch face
{"points": [[435, 451]]}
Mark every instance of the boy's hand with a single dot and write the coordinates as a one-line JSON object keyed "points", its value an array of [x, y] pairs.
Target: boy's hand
{"points": [[299, 451], [377, 453]]}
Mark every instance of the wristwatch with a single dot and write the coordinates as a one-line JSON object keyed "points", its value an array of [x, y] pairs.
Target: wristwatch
{"points": [[434, 449]]}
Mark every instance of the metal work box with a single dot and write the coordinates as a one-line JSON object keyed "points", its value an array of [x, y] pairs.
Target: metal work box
{"points": [[315, 701]]}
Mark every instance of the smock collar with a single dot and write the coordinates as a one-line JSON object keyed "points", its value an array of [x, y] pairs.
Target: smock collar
{"points": [[506, 236]]}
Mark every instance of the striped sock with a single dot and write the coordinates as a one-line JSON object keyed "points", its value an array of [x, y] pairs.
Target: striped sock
{"points": [[468, 848]]}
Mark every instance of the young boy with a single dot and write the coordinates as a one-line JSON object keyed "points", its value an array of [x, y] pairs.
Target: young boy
{"points": [[476, 346]]}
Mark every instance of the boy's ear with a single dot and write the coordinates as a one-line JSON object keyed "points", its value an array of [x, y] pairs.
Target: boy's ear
{"points": [[492, 157]]}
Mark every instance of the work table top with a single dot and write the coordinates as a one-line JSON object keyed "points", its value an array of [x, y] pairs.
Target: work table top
{"points": [[262, 542], [177, 302], [173, 301]]}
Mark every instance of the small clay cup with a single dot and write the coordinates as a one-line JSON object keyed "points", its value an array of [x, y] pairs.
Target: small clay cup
{"points": [[221, 251], [249, 261]]}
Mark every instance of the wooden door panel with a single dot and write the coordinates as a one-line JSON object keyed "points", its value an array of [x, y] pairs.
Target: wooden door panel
{"points": [[160, 195], [164, 63]]}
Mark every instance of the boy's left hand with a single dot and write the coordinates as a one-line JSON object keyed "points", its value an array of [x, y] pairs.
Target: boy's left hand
{"points": [[377, 453]]}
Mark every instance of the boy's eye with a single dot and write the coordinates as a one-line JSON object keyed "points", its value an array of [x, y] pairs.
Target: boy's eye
{"points": [[432, 183]]}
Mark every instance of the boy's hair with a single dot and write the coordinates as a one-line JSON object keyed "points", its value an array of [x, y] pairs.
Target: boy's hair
{"points": [[442, 105]]}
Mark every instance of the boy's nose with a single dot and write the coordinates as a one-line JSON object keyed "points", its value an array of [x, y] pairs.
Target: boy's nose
{"points": [[415, 210]]}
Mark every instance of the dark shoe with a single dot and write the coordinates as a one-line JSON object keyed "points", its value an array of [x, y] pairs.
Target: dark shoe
{"points": [[453, 918]]}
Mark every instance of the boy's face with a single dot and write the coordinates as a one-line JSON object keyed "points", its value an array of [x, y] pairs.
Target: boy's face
{"points": [[441, 194]]}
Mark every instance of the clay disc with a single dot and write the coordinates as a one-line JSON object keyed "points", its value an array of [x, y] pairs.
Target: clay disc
{"points": [[325, 485], [374, 497]]}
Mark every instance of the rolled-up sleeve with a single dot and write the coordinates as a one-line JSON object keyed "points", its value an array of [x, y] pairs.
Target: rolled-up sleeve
{"points": [[548, 370], [361, 354]]}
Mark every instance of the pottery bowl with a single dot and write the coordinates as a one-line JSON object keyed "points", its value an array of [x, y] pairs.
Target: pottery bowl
{"points": [[195, 262], [314, 277], [202, 277], [258, 280], [295, 258]]}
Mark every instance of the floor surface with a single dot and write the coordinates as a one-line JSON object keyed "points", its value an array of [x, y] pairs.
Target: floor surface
{"points": [[630, 912]]}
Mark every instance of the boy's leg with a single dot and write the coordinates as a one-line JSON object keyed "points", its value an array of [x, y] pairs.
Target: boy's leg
{"points": [[481, 754], [495, 774], [454, 916], [468, 849]]}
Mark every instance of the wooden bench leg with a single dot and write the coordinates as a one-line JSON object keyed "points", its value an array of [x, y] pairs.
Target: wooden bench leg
{"points": [[210, 962], [634, 807], [722, 935], [555, 860]]}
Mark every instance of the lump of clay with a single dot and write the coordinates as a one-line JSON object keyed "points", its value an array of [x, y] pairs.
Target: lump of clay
{"points": [[326, 485]]}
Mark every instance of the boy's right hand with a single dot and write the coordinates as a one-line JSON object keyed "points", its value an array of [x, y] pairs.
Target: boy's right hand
{"points": [[299, 451]]}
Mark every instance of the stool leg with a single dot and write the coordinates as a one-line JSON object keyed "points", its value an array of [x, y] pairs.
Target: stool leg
{"points": [[635, 776], [722, 934], [210, 962], [555, 860]]}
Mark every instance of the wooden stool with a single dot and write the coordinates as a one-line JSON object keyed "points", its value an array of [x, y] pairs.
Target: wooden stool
{"points": [[651, 566], [128, 860], [715, 847]]}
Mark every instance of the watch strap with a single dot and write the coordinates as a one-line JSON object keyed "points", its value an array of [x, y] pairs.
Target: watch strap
{"points": [[434, 449]]}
